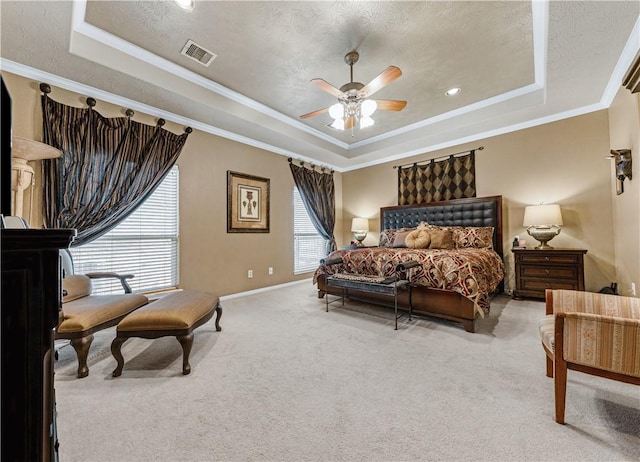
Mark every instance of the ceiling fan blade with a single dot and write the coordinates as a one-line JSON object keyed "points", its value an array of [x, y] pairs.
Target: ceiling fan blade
{"points": [[390, 104], [350, 122], [387, 76], [314, 113], [326, 86]]}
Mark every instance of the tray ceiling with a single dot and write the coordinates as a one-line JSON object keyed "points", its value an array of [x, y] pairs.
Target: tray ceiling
{"points": [[518, 63]]}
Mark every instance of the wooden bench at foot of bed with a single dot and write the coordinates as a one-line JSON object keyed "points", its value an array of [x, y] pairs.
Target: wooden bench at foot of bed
{"points": [[425, 301], [177, 314]]}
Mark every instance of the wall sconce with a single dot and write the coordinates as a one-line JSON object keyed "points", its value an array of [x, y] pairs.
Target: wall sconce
{"points": [[543, 223], [622, 158], [360, 227]]}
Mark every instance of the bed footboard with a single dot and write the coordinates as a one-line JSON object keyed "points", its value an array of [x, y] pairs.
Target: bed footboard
{"points": [[438, 303]]}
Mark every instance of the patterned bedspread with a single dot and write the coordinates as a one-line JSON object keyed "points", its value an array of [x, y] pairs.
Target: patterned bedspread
{"points": [[473, 273]]}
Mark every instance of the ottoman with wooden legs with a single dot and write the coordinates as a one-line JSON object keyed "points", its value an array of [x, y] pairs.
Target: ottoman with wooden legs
{"points": [[177, 314]]}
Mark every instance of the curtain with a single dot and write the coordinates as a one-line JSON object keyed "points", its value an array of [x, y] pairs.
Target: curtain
{"points": [[451, 178], [109, 166], [318, 196]]}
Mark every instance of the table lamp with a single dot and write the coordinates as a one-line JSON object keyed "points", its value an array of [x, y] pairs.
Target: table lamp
{"points": [[24, 150], [360, 227]]}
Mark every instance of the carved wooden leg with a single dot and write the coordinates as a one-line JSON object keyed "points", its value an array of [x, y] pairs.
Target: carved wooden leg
{"points": [[218, 316], [187, 342], [560, 387], [117, 354], [469, 326], [81, 345], [321, 293]]}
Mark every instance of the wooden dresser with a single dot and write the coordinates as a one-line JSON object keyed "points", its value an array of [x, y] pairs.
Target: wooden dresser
{"points": [[31, 297], [537, 270]]}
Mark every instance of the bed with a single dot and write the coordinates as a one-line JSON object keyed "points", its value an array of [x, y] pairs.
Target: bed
{"points": [[451, 283]]}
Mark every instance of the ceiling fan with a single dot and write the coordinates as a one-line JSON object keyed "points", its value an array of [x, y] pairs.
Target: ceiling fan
{"points": [[353, 98]]}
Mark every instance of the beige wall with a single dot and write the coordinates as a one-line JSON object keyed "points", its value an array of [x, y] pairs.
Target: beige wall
{"points": [[624, 128], [561, 162], [210, 258], [27, 123]]}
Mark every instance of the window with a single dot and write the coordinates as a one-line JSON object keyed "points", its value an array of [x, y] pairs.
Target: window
{"points": [[145, 244], [308, 245]]}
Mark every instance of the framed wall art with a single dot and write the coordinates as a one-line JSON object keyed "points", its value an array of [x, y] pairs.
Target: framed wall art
{"points": [[247, 203]]}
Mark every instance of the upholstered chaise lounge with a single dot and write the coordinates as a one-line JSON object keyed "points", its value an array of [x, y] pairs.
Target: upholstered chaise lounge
{"points": [[594, 333], [84, 314], [177, 314]]}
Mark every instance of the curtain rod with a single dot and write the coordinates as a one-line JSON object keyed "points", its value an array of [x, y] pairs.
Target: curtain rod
{"points": [[312, 166], [480, 148], [45, 88]]}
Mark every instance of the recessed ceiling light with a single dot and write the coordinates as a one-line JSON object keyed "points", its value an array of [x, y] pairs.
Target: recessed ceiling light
{"points": [[452, 91], [186, 4]]}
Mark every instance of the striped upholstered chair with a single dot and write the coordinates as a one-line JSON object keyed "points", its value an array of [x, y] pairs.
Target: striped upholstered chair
{"points": [[594, 333]]}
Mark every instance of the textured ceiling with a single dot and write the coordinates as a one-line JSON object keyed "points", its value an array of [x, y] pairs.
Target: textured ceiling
{"points": [[518, 63], [269, 51]]}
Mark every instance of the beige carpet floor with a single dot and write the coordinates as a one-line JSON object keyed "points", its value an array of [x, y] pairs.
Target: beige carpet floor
{"points": [[285, 381]]}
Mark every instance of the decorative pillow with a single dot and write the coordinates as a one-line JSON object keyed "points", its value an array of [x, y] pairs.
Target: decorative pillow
{"points": [[400, 238], [418, 239], [473, 237], [75, 286], [441, 239], [388, 236], [424, 224]]}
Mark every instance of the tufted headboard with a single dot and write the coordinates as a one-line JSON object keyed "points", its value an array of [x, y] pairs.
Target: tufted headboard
{"points": [[473, 211]]}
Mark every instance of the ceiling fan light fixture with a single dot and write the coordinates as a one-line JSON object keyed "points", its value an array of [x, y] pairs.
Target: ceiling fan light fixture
{"points": [[185, 4], [338, 124], [366, 122], [368, 107], [453, 91], [353, 104], [336, 111]]}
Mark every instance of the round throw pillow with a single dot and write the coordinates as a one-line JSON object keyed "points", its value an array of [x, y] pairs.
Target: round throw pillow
{"points": [[418, 239]]}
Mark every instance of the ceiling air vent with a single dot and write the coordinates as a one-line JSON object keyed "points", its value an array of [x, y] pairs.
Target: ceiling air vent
{"points": [[196, 52]]}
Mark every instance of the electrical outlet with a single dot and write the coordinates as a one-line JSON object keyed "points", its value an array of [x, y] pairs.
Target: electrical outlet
{"points": [[633, 288], [250, 274], [270, 270]]}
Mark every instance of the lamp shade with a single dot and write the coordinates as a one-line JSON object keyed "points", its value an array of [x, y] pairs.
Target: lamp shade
{"points": [[542, 215], [366, 122], [338, 124], [360, 224], [368, 107], [26, 149], [336, 111]]}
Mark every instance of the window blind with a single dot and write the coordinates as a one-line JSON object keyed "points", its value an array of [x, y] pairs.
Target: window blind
{"points": [[309, 246], [145, 244]]}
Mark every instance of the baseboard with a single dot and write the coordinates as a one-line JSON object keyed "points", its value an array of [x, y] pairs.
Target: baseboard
{"points": [[153, 296], [263, 289]]}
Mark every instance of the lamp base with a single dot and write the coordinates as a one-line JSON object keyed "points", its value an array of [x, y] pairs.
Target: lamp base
{"points": [[360, 237], [543, 234]]}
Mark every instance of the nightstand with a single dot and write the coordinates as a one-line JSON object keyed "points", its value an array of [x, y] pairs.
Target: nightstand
{"points": [[538, 270]]}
